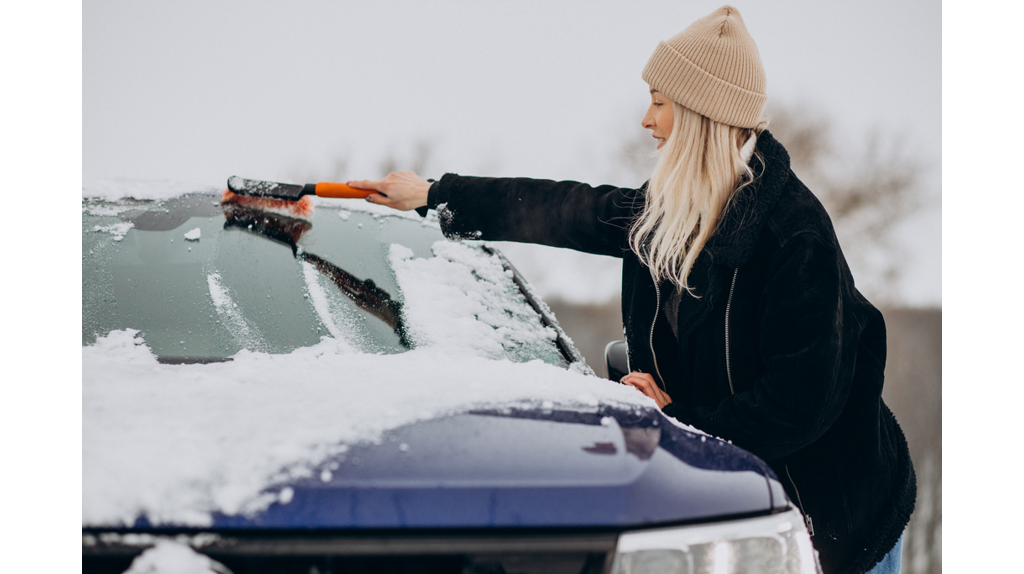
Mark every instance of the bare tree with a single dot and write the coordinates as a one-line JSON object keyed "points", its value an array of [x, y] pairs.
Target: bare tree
{"points": [[867, 191], [339, 169], [423, 150], [418, 160], [306, 173]]}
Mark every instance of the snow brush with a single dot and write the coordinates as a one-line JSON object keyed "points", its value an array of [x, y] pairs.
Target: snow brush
{"points": [[286, 198]]}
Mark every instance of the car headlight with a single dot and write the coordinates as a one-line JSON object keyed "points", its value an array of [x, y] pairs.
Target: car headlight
{"points": [[776, 543]]}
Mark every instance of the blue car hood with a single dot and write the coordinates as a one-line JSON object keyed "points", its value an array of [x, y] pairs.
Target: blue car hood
{"points": [[526, 468]]}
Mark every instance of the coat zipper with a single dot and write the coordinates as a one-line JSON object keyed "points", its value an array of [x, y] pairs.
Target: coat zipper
{"points": [[807, 517], [657, 311], [728, 305]]}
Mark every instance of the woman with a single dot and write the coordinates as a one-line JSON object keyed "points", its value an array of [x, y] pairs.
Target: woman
{"points": [[740, 313]]}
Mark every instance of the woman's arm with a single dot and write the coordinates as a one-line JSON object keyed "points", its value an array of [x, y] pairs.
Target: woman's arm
{"points": [[565, 214], [558, 213]]}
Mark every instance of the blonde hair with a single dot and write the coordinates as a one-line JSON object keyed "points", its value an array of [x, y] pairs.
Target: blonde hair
{"points": [[696, 176]]}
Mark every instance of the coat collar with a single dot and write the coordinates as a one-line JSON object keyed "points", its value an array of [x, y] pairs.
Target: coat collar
{"points": [[739, 227]]}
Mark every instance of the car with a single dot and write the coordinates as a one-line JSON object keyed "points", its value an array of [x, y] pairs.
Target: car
{"points": [[348, 391]]}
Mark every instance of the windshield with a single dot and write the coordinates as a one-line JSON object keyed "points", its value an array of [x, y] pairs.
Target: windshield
{"points": [[201, 281]]}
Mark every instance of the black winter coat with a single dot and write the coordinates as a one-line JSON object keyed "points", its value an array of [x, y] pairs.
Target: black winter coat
{"points": [[778, 353]]}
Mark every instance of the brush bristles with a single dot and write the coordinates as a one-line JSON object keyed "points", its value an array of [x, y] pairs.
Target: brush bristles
{"points": [[303, 208]]}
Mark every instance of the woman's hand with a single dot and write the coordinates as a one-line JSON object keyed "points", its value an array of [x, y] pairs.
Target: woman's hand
{"points": [[403, 190], [645, 383]]}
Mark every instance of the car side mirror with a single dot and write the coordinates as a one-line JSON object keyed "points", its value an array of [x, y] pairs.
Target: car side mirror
{"points": [[616, 359]]}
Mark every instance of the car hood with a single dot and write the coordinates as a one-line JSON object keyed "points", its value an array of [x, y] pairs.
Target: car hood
{"points": [[193, 279], [525, 468]]}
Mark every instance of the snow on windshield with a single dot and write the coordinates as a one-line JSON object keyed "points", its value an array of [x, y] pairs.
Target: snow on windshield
{"points": [[464, 301], [247, 334], [178, 442], [118, 230], [336, 318]]}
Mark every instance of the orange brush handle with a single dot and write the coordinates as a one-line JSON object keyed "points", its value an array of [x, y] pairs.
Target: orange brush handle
{"points": [[341, 190]]}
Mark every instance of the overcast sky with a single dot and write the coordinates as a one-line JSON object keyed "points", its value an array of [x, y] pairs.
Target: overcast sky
{"points": [[199, 91]]}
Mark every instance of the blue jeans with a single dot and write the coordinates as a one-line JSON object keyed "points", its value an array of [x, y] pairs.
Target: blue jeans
{"points": [[890, 564]]}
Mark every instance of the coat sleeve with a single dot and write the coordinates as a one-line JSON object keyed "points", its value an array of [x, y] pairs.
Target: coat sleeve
{"points": [[557, 213], [809, 365]]}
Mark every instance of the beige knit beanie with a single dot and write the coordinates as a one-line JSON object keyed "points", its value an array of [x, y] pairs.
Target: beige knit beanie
{"points": [[712, 68]]}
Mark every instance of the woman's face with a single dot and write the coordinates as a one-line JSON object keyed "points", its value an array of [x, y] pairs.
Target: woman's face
{"points": [[659, 117]]}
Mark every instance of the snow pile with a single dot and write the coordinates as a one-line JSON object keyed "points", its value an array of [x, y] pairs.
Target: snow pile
{"points": [[171, 557], [193, 235], [100, 208], [463, 301], [177, 442], [118, 230], [120, 188]]}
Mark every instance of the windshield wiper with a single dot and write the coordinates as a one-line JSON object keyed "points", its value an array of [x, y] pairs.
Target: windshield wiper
{"points": [[288, 230]]}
